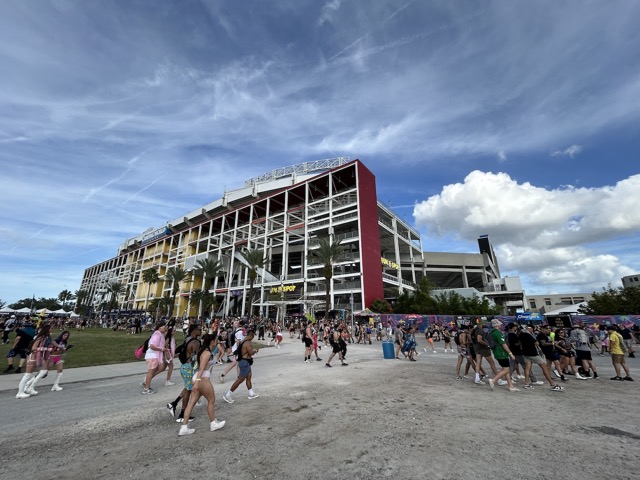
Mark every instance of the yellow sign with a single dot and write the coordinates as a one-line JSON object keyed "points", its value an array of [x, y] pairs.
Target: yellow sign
{"points": [[283, 289], [390, 264]]}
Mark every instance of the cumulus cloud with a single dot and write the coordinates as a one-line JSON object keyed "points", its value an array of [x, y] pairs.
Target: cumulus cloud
{"points": [[553, 235]]}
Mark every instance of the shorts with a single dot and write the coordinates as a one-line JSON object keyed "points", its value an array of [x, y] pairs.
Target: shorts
{"points": [[537, 359], [153, 363], [583, 355], [56, 359], [485, 352], [551, 356], [617, 358], [245, 368], [336, 348], [186, 372], [462, 351], [503, 362], [279, 336], [14, 352], [629, 343], [308, 342]]}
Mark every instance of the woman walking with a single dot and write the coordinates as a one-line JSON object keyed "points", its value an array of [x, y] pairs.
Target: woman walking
{"points": [[202, 387], [39, 352], [170, 353], [57, 360]]}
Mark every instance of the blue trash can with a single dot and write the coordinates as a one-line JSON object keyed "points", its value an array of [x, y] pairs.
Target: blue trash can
{"points": [[387, 349]]}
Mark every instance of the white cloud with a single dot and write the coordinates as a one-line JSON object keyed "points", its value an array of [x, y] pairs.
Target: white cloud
{"points": [[571, 151], [554, 236]]}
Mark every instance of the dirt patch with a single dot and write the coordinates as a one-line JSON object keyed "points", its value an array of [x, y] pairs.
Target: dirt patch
{"points": [[374, 419]]}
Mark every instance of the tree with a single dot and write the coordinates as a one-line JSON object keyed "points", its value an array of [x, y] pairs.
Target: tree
{"points": [[65, 296], [208, 269], [380, 305], [81, 297], [255, 259], [150, 276], [427, 301], [620, 301], [2, 304], [327, 254], [115, 289], [175, 275]]}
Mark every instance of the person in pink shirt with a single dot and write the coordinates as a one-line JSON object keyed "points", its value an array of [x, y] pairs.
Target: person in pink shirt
{"points": [[155, 356]]}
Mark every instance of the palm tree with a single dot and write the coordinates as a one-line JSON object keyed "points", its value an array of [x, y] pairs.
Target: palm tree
{"points": [[255, 259], [150, 276], [115, 289], [208, 269], [81, 297], [175, 275], [327, 254], [65, 296]]}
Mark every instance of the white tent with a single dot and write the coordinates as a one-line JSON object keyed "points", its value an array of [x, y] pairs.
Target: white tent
{"points": [[74, 315], [60, 311], [567, 310], [44, 311], [24, 310], [7, 310]]}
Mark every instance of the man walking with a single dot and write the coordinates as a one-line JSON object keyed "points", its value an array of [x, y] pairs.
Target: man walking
{"points": [[580, 339]]}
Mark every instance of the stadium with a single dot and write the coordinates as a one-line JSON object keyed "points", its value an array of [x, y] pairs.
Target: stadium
{"points": [[285, 213]]}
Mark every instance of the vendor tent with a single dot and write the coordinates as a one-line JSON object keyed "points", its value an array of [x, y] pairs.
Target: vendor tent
{"points": [[24, 310], [567, 310], [60, 311], [6, 310], [44, 311], [74, 315]]}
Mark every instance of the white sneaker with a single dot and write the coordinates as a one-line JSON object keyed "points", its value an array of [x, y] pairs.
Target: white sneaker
{"points": [[56, 388], [278, 345], [185, 430], [23, 395], [30, 391], [479, 382], [502, 382], [227, 398], [491, 384], [255, 395], [538, 382], [216, 425], [168, 383]]}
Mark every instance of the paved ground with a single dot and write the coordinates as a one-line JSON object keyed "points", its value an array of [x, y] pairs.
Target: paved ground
{"points": [[375, 418]]}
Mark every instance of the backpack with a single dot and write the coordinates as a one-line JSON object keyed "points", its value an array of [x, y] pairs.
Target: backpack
{"points": [[142, 349], [623, 347], [488, 338], [181, 351], [456, 338]]}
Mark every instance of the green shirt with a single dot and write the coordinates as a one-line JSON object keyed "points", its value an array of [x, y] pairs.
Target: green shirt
{"points": [[498, 351]]}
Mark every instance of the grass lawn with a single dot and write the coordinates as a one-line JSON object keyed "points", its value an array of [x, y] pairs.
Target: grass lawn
{"points": [[100, 346], [97, 346]]}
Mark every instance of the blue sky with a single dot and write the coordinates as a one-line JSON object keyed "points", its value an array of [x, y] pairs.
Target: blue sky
{"points": [[518, 119]]}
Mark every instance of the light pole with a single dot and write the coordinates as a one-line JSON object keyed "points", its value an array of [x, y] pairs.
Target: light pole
{"points": [[351, 301]]}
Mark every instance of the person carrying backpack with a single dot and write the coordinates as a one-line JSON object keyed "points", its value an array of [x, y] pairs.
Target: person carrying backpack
{"points": [[481, 346], [187, 354], [154, 357]]}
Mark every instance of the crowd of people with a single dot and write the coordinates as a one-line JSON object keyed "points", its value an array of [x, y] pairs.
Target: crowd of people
{"points": [[513, 353], [38, 353]]}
